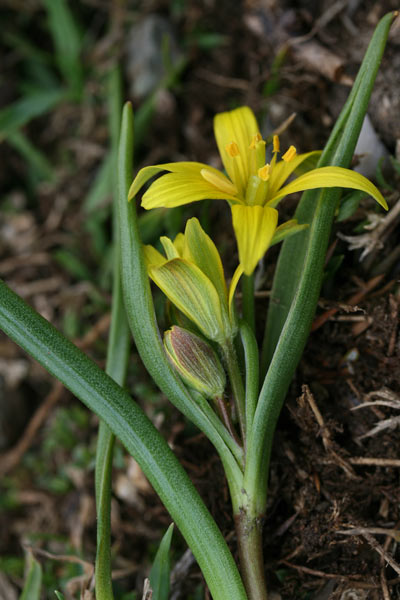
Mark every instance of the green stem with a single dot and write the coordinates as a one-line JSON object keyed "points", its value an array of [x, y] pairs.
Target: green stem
{"points": [[249, 536], [235, 377], [104, 457], [223, 431], [252, 368], [248, 300]]}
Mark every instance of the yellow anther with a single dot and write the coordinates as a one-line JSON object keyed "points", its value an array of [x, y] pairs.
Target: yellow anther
{"points": [[256, 138], [219, 181], [232, 149], [276, 144], [264, 172], [289, 154]]}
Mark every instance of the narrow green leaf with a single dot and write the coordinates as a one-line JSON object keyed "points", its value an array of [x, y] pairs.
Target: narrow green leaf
{"points": [[59, 595], [160, 571], [100, 188], [33, 581], [22, 111], [67, 40], [73, 264], [349, 205], [35, 159]]}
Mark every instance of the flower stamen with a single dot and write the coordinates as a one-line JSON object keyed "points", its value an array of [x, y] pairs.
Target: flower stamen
{"points": [[256, 138], [232, 149], [289, 154], [264, 172]]}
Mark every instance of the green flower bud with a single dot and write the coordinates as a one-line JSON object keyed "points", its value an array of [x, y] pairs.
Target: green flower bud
{"points": [[195, 361]]}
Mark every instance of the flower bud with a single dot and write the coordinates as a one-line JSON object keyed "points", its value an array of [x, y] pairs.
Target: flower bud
{"points": [[195, 361]]}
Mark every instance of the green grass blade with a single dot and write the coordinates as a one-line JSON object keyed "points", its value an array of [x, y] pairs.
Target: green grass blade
{"points": [[33, 582], [19, 113], [67, 40], [160, 571], [100, 188], [35, 159]]}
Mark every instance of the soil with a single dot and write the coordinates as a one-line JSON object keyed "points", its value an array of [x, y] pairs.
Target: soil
{"points": [[331, 529]]}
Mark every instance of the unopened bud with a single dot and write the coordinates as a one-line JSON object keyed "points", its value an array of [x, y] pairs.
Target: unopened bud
{"points": [[195, 361]]}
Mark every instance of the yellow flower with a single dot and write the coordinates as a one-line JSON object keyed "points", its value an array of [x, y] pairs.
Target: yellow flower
{"points": [[192, 277], [252, 186]]}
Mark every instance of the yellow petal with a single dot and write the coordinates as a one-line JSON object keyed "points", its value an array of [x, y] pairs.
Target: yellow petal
{"points": [[282, 170], [187, 168], [254, 227], [201, 250], [326, 177], [179, 243], [169, 248], [153, 257], [238, 126], [193, 293], [176, 189], [232, 288]]}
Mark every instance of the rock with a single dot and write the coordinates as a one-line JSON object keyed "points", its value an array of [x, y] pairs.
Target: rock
{"points": [[148, 41]]}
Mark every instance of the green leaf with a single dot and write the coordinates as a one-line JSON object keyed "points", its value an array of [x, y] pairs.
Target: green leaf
{"points": [[160, 571], [349, 205], [22, 111], [73, 264], [59, 595], [67, 40], [35, 159], [33, 581], [100, 188]]}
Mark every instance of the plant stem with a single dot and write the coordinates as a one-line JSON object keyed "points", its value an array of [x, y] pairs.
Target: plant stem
{"points": [[235, 377], [249, 537], [248, 300], [251, 359], [226, 419]]}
